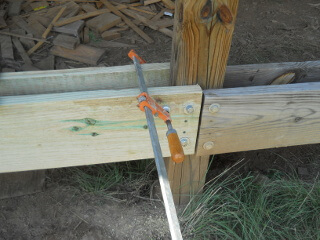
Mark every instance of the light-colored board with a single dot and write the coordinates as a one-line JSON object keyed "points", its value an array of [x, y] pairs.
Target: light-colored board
{"points": [[260, 117], [156, 74], [82, 79], [83, 53], [83, 128]]}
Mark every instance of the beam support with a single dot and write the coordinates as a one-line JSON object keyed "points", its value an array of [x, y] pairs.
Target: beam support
{"points": [[201, 44], [83, 128], [261, 117]]}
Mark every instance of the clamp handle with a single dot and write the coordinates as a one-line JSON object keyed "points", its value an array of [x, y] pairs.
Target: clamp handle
{"points": [[176, 150]]}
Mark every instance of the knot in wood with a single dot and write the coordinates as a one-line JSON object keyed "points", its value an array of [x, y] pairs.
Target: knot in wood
{"points": [[206, 11], [224, 14]]}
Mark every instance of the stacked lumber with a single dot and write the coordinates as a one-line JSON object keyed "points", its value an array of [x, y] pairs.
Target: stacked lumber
{"points": [[45, 35]]}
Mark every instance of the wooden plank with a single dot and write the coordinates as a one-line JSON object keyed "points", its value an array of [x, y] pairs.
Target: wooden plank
{"points": [[21, 51], [66, 41], [110, 35], [202, 38], [82, 53], [27, 43], [88, 127], [147, 2], [46, 63], [73, 29], [127, 21], [47, 31], [37, 26], [103, 22], [21, 36], [6, 47], [22, 183], [87, 79], [14, 7], [82, 79], [19, 21], [89, 7], [169, 4], [267, 73], [260, 117]]}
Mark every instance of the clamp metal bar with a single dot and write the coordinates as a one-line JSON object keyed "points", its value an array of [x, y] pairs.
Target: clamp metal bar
{"points": [[171, 212]]}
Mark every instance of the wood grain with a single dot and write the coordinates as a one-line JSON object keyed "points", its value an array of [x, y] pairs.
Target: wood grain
{"points": [[127, 21], [82, 79], [201, 44], [82, 53], [260, 117], [83, 128], [157, 75]]}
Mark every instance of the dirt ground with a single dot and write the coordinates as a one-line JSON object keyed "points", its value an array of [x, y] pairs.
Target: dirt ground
{"points": [[266, 31]]}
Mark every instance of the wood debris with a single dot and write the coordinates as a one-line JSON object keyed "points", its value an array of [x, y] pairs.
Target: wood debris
{"points": [[42, 34]]}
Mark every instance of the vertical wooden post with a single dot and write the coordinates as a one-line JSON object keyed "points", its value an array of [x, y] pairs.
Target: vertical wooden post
{"points": [[201, 44]]}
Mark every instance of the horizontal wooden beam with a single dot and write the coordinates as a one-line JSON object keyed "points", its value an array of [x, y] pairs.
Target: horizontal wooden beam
{"points": [[241, 119], [156, 74], [82, 128]]}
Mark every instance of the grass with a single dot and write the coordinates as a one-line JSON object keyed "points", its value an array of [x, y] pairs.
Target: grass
{"points": [[231, 206], [116, 179], [237, 207]]}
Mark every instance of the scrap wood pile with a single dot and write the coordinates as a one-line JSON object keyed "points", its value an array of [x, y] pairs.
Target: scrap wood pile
{"points": [[33, 32]]}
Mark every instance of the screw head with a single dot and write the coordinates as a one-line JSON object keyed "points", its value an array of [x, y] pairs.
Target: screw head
{"points": [[214, 108], [184, 141], [188, 109], [208, 145], [166, 108]]}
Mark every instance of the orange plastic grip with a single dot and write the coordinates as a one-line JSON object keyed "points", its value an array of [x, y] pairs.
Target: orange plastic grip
{"points": [[176, 150], [133, 53]]}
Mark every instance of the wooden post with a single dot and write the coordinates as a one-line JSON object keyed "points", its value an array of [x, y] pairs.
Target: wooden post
{"points": [[201, 43]]}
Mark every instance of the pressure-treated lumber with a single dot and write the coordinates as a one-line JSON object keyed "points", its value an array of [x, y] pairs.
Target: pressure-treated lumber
{"points": [[83, 128], [201, 44], [156, 74], [260, 117], [267, 73]]}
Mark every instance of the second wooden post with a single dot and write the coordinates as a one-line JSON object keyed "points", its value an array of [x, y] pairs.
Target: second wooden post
{"points": [[201, 44]]}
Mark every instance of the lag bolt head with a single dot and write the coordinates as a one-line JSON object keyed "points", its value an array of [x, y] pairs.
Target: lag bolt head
{"points": [[184, 141], [188, 109], [214, 108], [208, 145]]}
